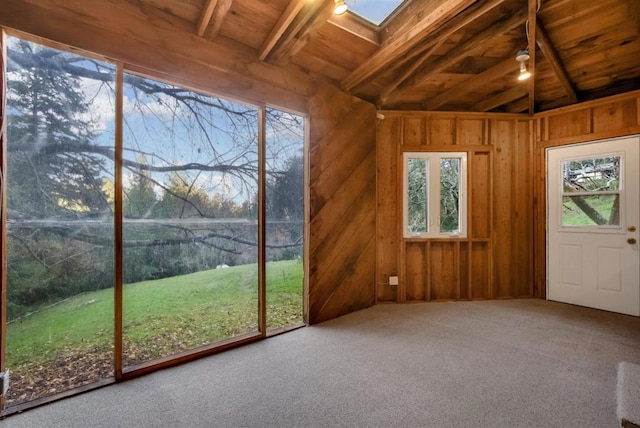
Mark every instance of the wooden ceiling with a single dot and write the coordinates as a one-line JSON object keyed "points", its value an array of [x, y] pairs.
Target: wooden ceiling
{"points": [[439, 54]]}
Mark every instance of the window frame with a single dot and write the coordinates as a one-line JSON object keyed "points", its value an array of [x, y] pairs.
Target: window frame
{"points": [[433, 194]]}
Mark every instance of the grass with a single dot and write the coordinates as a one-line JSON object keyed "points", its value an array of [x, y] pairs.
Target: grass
{"points": [[160, 317]]}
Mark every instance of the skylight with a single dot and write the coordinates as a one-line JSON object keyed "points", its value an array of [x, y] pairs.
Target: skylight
{"points": [[374, 11]]}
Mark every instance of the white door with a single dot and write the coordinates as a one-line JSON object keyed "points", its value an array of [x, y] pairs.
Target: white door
{"points": [[593, 204]]}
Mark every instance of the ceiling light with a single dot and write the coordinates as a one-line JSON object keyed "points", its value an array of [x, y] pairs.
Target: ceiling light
{"points": [[522, 57], [340, 7]]}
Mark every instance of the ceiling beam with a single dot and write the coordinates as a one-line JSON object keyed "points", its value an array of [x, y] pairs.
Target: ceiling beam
{"points": [[427, 21], [281, 27], [550, 53], [311, 14], [205, 16], [213, 13], [475, 82], [218, 17], [532, 13], [406, 73], [465, 49], [502, 98]]}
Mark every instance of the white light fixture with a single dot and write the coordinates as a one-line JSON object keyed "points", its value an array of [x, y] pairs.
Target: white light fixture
{"points": [[521, 57], [340, 7]]}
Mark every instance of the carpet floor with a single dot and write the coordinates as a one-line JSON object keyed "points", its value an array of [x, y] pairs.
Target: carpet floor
{"points": [[516, 363]]}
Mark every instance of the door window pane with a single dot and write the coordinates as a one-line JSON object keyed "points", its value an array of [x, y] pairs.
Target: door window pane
{"points": [[591, 210], [60, 121], [591, 191], [591, 174], [190, 220]]}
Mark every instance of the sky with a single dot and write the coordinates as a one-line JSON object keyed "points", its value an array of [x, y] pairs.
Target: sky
{"points": [[375, 11]]}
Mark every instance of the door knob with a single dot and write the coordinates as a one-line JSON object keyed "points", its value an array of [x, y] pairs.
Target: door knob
{"points": [[631, 241], [631, 228]]}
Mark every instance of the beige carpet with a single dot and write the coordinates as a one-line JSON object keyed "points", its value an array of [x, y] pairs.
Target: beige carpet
{"points": [[518, 363]]}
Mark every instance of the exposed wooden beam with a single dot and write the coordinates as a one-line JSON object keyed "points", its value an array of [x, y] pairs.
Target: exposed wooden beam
{"points": [[281, 27], [406, 73], [550, 53], [218, 17], [502, 98], [205, 17], [489, 75], [281, 53], [532, 13], [518, 106], [465, 49], [349, 23], [426, 23]]}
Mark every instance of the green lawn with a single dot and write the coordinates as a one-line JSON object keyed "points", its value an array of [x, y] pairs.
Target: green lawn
{"points": [[160, 317]]}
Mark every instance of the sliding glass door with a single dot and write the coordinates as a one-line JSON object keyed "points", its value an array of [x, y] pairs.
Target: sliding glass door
{"points": [[145, 223], [59, 221], [190, 183]]}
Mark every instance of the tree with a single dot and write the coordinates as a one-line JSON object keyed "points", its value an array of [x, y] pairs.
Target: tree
{"points": [[48, 111]]}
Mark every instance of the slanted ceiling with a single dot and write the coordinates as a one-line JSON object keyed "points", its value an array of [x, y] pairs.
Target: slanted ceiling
{"points": [[440, 54], [448, 55]]}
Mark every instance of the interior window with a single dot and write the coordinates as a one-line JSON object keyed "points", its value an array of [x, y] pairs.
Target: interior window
{"points": [[434, 194]]}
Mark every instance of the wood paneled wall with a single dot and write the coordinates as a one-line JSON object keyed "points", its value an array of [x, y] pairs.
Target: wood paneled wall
{"points": [[342, 204], [595, 120], [496, 258]]}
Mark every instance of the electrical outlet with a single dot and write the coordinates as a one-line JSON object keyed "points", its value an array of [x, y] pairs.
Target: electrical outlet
{"points": [[393, 280]]}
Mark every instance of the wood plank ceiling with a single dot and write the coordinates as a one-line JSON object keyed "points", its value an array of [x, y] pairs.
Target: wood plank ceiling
{"points": [[454, 55]]}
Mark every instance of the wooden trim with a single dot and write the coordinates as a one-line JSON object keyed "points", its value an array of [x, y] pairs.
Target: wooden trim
{"points": [[19, 408], [446, 148], [531, 25], [193, 354], [589, 137], [307, 219], [593, 103], [3, 214], [401, 288], [262, 218], [117, 227]]}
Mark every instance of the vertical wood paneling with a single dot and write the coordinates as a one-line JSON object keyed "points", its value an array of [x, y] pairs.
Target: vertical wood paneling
{"points": [[388, 139], [414, 131], [441, 131], [479, 187], [443, 270], [464, 269], [611, 117], [342, 204], [480, 268], [572, 122], [496, 259], [616, 115], [503, 139], [471, 132], [416, 271]]}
